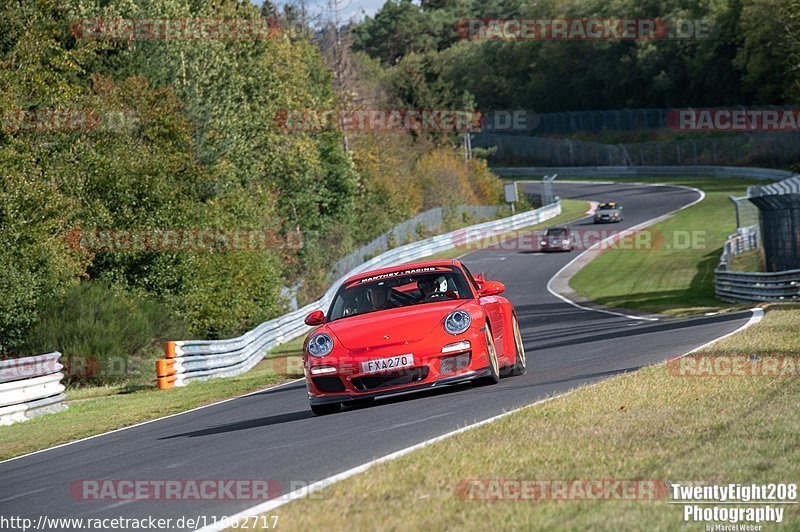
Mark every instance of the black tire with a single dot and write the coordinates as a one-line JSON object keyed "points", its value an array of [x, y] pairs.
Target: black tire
{"points": [[364, 401], [326, 408], [494, 364], [520, 362]]}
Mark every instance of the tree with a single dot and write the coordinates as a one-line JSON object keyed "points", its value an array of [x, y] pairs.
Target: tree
{"points": [[399, 28]]}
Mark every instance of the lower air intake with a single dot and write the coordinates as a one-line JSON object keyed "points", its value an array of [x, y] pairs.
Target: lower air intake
{"points": [[328, 384], [386, 380], [455, 363]]}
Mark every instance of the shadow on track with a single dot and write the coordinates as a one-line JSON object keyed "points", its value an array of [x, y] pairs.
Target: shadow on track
{"points": [[645, 329], [244, 425]]}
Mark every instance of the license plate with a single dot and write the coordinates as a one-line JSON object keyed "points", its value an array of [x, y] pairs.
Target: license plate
{"points": [[387, 364]]}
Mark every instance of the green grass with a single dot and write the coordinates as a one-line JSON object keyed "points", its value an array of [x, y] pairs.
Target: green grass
{"points": [[571, 210], [669, 277], [749, 261], [648, 425], [98, 409], [290, 348]]}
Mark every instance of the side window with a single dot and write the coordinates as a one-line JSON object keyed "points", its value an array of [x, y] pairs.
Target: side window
{"points": [[471, 279]]}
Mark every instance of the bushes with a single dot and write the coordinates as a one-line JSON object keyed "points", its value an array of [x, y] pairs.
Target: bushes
{"points": [[197, 148], [227, 293], [35, 262], [446, 180], [106, 335]]}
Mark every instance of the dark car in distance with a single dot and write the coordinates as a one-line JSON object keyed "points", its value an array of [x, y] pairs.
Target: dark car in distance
{"points": [[557, 238]]}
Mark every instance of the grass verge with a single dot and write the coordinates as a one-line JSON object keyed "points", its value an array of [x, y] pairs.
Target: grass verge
{"points": [[749, 261], [571, 210], [98, 409], [676, 275], [647, 425]]}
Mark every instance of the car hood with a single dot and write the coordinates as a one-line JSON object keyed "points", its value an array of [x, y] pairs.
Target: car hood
{"points": [[403, 325]]}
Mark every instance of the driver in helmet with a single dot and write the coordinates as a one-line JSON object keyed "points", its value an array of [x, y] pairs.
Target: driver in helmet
{"points": [[378, 297], [433, 287]]}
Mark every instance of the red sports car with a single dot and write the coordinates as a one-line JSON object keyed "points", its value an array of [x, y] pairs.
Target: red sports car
{"points": [[409, 327]]}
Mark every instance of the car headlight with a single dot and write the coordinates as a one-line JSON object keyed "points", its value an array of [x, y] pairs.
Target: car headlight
{"points": [[565, 242], [457, 322], [320, 345]]}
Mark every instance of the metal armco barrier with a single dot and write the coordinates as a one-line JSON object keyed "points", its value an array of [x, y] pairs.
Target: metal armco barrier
{"points": [[745, 239], [203, 359], [731, 286], [749, 287], [30, 386], [402, 233], [741, 287], [645, 171]]}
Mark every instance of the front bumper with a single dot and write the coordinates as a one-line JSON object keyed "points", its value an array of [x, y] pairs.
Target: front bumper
{"points": [[556, 247], [431, 368], [438, 383]]}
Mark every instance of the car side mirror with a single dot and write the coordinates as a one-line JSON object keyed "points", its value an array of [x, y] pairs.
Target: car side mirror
{"points": [[315, 318], [492, 288]]}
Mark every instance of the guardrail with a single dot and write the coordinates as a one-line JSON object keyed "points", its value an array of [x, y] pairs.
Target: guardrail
{"points": [[403, 233], [749, 287], [646, 171], [745, 287], [203, 359], [30, 386], [744, 239], [731, 286]]}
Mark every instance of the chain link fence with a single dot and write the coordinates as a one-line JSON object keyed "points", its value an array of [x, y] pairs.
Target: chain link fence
{"points": [[746, 212], [769, 149], [571, 122]]}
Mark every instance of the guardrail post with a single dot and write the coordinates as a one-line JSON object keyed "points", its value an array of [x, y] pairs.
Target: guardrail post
{"points": [[547, 189]]}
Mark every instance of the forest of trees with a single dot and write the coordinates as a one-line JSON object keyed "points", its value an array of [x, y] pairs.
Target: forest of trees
{"points": [[179, 134], [184, 137], [749, 57]]}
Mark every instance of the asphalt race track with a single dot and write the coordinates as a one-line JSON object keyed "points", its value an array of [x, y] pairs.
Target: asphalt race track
{"points": [[273, 434]]}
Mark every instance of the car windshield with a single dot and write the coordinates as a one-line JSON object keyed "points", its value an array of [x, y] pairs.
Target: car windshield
{"points": [[401, 288], [607, 207], [556, 232]]}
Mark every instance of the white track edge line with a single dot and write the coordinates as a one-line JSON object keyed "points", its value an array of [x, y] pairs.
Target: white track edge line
{"points": [[757, 314], [654, 220], [169, 416], [646, 223], [324, 483], [151, 420], [267, 506]]}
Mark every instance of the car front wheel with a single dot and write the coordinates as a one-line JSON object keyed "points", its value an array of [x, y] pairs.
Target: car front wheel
{"points": [[326, 408], [494, 364], [520, 364]]}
